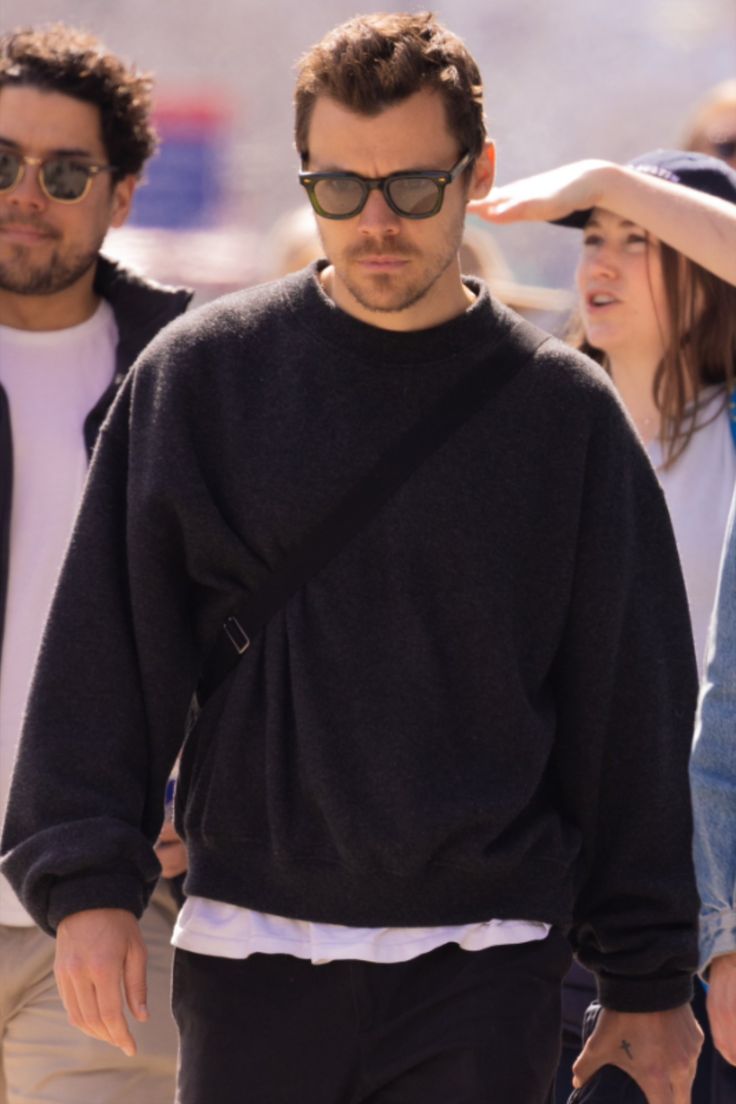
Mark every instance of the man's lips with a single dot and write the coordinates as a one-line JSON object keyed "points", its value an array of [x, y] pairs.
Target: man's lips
{"points": [[20, 232], [385, 261]]}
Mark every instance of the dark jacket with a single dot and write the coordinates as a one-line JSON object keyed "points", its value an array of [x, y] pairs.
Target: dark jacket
{"points": [[481, 708], [141, 308]]}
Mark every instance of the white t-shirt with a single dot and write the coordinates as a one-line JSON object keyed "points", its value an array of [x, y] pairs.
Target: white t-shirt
{"points": [[52, 380], [228, 931], [698, 489]]}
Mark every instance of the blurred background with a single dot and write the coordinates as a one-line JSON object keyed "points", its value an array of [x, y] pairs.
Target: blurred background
{"points": [[564, 80]]}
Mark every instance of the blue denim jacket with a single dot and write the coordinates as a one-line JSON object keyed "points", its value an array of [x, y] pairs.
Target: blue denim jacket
{"points": [[713, 770]]}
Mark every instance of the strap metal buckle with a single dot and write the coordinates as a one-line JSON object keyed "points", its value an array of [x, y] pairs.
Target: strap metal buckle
{"points": [[237, 635]]}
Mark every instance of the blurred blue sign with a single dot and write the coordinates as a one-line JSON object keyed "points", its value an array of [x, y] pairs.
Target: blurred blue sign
{"points": [[183, 183]]}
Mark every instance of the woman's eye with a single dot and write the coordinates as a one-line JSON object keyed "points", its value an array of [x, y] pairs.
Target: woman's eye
{"points": [[592, 239]]}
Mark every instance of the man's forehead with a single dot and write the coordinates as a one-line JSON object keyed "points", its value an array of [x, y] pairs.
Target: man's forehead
{"points": [[47, 120], [412, 131]]}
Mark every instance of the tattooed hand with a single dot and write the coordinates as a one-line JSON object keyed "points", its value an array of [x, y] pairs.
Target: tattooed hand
{"points": [[659, 1050]]}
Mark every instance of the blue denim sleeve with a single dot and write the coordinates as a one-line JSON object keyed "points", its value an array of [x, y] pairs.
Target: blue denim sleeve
{"points": [[713, 770]]}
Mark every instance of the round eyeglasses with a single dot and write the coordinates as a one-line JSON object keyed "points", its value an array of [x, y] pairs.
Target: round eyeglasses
{"points": [[62, 177], [412, 195]]}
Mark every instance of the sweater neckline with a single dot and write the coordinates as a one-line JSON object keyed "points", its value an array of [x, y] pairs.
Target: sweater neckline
{"points": [[317, 313]]}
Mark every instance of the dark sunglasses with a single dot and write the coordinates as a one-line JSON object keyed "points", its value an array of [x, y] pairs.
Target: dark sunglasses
{"points": [[412, 195], [63, 178], [725, 149]]}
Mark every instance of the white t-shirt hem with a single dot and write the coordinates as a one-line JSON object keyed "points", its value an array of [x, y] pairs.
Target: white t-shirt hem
{"points": [[226, 931]]}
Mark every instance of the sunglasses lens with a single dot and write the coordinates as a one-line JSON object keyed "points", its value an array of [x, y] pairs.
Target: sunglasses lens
{"points": [[415, 196], [339, 197], [64, 178], [726, 149], [9, 169]]}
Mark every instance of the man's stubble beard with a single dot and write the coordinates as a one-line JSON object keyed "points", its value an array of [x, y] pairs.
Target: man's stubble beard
{"points": [[387, 298], [21, 276], [405, 296]]}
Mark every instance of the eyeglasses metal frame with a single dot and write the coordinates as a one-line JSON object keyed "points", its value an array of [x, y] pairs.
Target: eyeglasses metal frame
{"points": [[91, 168], [440, 177]]}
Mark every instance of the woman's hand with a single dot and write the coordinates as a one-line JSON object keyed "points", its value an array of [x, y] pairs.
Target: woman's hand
{"points": [[692, 222], [546, 196]]}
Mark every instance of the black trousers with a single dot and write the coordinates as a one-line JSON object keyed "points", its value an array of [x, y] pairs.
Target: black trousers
{"points": [[451, 1027]]}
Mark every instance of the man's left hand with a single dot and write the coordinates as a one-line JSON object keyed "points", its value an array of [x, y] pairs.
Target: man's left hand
{"points": [[171, 852], [659, 1050]]}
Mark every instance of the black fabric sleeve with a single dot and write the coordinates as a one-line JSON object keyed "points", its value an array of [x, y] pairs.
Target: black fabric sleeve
{"points": [[626, 688], [115, 676]]}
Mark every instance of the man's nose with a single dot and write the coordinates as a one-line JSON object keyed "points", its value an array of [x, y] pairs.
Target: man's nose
{"points": [[377, 217]]}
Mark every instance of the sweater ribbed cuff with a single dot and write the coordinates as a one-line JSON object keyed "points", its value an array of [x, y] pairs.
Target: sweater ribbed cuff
{"points": [[89, 891], [623, 994]]}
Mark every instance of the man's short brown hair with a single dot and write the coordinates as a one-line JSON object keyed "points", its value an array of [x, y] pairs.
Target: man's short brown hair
{"points": [[374, 61], [64, 59]]}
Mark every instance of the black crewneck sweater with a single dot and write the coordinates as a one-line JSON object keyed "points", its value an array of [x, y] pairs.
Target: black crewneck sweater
{"points": [[481, 707]]}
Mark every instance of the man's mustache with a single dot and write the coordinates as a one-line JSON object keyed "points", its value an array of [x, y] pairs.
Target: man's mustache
{"points": [[26, 223], [386, 248]]}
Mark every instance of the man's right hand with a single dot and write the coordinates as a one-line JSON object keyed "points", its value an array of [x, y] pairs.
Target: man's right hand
{"points": [[721, 1004], [99, 955]]}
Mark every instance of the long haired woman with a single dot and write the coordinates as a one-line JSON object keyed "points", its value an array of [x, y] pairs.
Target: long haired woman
{"points": [[656, 306]]}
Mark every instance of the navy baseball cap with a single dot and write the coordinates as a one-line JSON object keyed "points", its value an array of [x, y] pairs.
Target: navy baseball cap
{"points": [[694, 170]]}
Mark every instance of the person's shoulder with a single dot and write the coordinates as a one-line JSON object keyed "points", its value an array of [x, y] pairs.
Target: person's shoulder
{"points": [[135, 297], [572, 386], [558, 368], [238, 327], [555, 368], [562, 387], [237, 315]]}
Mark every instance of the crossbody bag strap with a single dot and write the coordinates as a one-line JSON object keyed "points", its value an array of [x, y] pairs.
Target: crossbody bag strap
{"points": [[321, 543]]}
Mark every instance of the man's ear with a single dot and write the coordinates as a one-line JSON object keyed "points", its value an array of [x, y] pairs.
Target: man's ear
{"points": [[122, 199], [484, 171]]}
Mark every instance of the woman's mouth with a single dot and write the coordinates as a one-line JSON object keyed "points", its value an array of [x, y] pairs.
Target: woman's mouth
{"points": [[598, 300]]}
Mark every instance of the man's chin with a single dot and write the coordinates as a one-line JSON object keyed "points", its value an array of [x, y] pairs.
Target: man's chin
{"points": [[383, 296], [49, 279]]}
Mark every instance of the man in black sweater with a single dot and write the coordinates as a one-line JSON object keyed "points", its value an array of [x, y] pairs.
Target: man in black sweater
{"points": [[463, 738]]}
